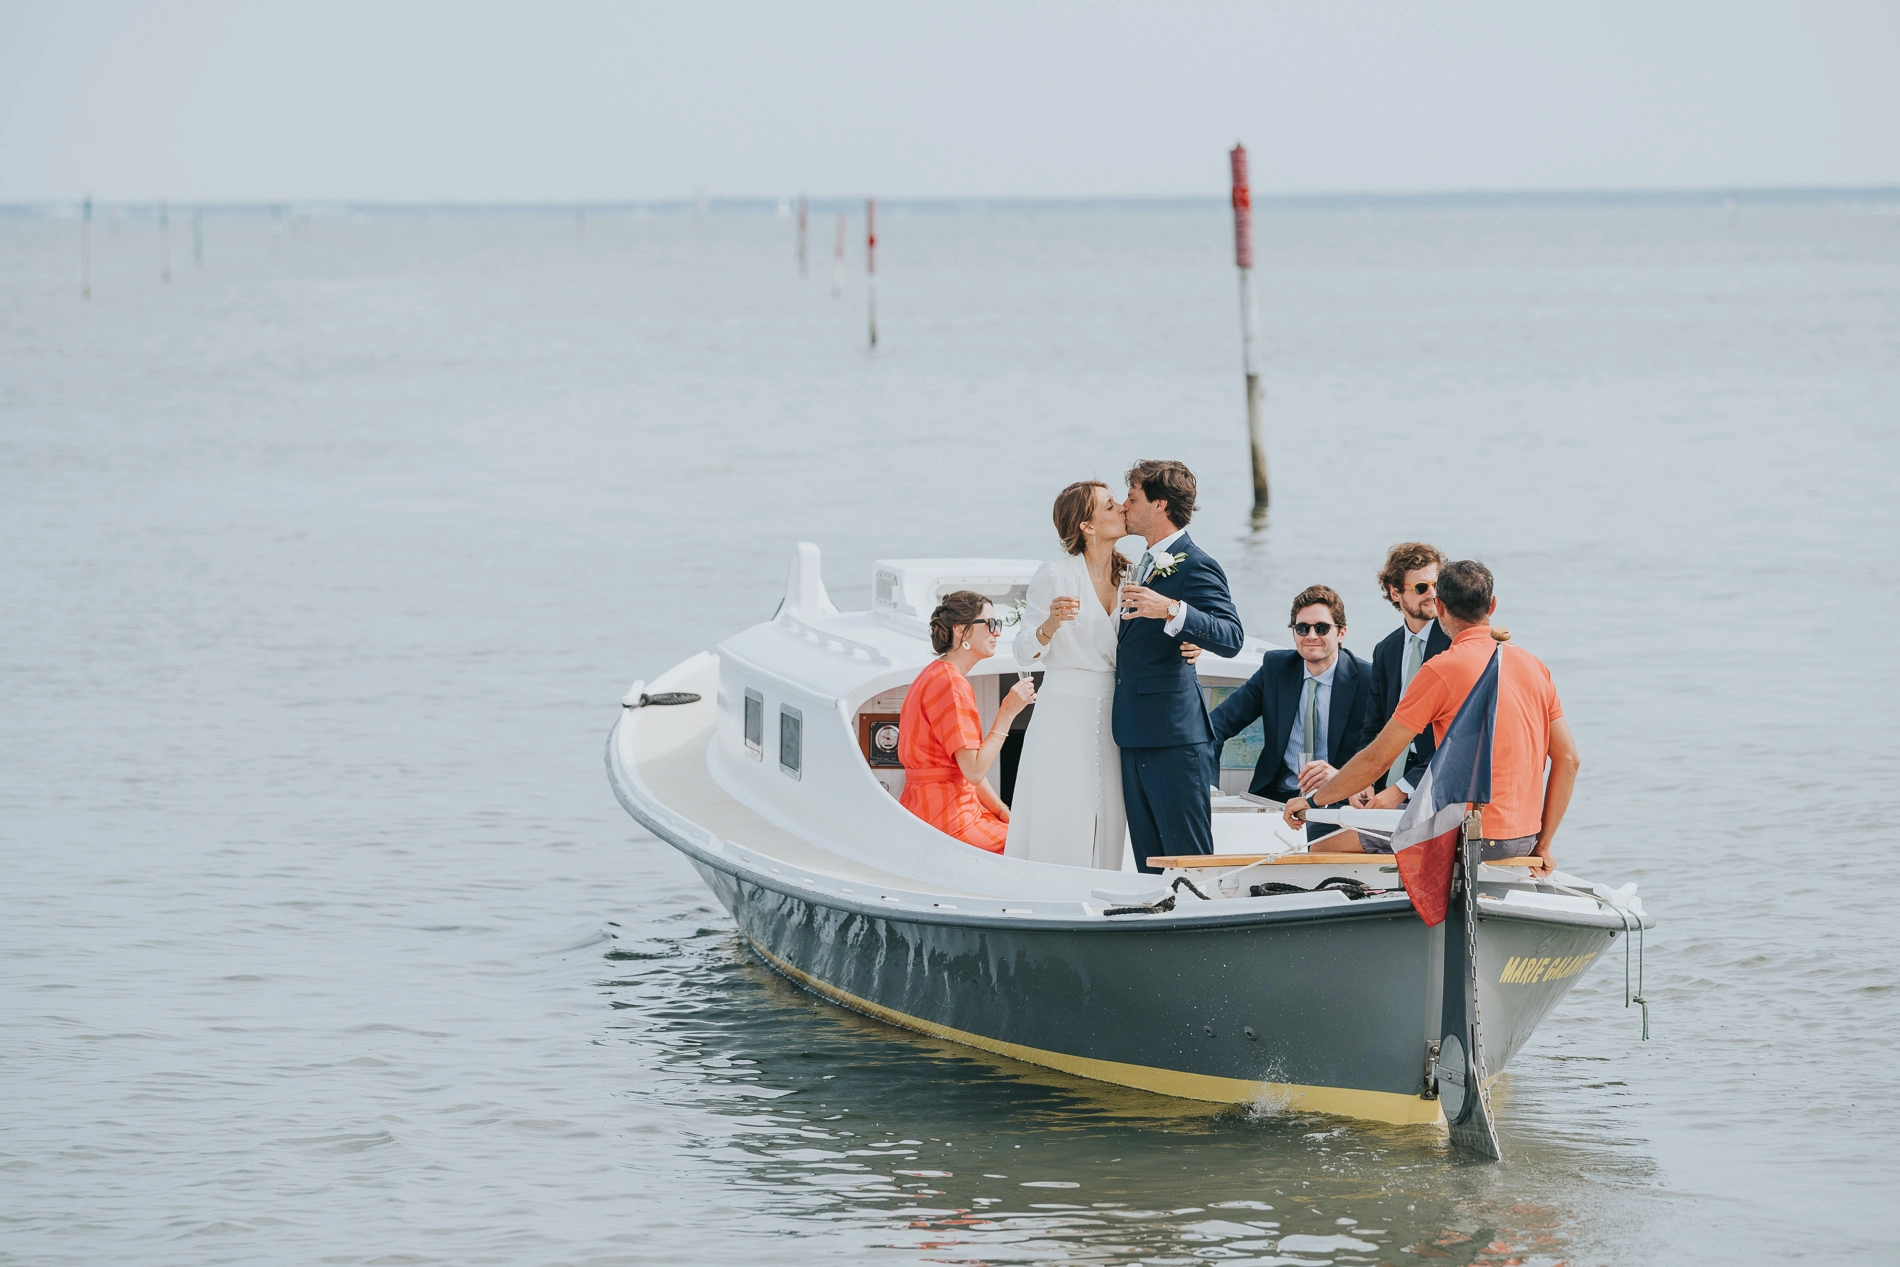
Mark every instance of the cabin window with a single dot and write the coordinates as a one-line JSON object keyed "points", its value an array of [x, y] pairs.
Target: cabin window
{"points": [[755, 725], [1242, 752], [791, 740]]}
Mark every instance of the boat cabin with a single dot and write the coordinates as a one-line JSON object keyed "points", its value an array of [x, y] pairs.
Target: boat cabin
{"points": [[817, 693]]}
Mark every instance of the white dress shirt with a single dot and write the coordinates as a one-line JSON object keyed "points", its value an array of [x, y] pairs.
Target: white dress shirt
{"points": [[1322, 705], [1423, 636], [1172, 626]]}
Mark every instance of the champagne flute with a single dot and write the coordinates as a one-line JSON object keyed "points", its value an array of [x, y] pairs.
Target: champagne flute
{"points": [[1059, 599]]}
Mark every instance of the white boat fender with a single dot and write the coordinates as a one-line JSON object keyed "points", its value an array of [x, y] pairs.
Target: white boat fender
{"points": [[1160, 905]]}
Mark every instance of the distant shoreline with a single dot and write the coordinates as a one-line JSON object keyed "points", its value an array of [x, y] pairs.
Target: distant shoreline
{"points": [[771, 206]]}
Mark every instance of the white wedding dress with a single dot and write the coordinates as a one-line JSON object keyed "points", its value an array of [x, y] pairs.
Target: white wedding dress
{"points": [[1067, 804]]}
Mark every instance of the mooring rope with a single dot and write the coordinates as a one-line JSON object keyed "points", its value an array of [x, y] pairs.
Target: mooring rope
{"points": [[1353, 889], [1639, 997], [1160, 905]]}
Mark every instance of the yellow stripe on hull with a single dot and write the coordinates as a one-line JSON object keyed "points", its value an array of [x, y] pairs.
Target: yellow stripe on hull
{"points": [[1375, 1106]]}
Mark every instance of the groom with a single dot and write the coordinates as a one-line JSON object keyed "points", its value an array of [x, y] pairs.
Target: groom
{"points": [[1174, 594]]}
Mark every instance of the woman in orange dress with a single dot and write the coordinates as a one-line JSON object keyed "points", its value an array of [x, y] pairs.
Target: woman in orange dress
{"points": [[940, 738]]}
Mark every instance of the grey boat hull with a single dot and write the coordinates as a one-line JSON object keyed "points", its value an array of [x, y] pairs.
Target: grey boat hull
{"points": [[1329, 1010]]}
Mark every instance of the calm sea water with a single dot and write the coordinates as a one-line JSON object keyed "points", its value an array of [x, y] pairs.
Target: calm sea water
{"points": [[325, 565]]}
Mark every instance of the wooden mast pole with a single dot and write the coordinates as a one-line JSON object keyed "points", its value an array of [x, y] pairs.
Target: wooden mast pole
{"points": [[870, 261], [837, 257], [1249, 325], [804, 221]]}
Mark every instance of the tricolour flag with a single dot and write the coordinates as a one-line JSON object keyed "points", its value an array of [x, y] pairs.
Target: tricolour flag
{"points": [[1458, 777]]}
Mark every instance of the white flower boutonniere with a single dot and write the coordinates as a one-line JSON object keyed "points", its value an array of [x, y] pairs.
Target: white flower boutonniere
{"points": [[1165, 563]]}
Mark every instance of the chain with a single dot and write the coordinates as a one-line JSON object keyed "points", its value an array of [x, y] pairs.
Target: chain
{"points": [[1474, 1060]]}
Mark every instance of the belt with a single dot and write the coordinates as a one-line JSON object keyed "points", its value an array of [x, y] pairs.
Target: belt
{"points": [[1087, 683], [933, 774]]}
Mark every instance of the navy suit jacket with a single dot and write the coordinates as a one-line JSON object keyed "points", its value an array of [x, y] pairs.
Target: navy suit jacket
{"points": [[1158, 700], [1388, 662], [1273, 695]]}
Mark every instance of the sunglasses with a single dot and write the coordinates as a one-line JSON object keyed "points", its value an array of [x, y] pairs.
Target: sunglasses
{"points": [[1424, 587], [994, 622], [1320, 627]]}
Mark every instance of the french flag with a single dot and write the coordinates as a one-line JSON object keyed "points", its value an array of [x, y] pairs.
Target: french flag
{"points": [[1458, 777]]}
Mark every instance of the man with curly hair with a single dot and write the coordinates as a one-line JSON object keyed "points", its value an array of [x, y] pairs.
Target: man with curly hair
{"points": [[1409, 581]]}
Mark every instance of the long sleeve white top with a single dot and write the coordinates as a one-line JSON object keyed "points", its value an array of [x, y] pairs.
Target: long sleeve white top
{"points": [[1087, 642]]}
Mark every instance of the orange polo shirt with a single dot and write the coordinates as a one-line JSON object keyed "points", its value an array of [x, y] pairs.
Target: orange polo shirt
{"points": [[1520, 747]]}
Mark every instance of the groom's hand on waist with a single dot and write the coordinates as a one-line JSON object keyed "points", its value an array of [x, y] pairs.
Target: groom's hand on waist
{"points": [[1139, 601]]}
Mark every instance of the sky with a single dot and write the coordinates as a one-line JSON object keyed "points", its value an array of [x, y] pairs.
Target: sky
{"points": [[556, 101]]}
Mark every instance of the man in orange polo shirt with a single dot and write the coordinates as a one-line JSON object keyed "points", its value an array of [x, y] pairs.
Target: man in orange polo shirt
{"points": [[1525, 807]]}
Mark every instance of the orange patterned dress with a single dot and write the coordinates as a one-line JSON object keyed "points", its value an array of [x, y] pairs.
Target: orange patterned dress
{"points": [[940, 720]]}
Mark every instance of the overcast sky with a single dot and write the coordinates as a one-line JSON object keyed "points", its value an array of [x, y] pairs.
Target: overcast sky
{"points": [[558, 101]]}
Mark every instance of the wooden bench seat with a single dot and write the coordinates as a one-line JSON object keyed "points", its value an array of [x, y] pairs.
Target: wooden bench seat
{"points": [[1198, 861]]}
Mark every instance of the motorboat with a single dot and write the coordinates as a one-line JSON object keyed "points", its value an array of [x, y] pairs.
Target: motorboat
{"points": [[1268, 973]]}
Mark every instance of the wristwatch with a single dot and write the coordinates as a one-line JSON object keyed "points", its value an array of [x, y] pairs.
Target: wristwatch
{"points": [[1174, 609]]}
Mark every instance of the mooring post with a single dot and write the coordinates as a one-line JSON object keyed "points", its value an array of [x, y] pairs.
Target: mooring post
{"points": [[870, 261], [85, 250], [837, 257], [164, 240], [1249, 324], [804, 215]]}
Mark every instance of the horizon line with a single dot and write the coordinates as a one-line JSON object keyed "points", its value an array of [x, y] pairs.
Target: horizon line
{"points": [[777, 204]]}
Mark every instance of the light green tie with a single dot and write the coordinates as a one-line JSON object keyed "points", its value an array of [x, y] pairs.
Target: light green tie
{"points": [[1311, 708], [1414, 656]]}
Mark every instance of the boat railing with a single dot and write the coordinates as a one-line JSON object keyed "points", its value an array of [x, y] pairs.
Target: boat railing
{"points": [[850, 648]]}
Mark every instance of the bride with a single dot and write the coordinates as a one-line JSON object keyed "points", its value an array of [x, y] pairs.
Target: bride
{"points": [[1067, 805]]}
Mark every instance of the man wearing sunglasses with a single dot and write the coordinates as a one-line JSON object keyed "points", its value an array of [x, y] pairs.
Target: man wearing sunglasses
{"points": [[1409, 581], [1314, 702], [1534, 759]]}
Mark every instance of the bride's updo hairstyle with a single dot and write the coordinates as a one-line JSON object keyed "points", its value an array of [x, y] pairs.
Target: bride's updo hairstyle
{"points": [[1075, 506], [960, 607]]}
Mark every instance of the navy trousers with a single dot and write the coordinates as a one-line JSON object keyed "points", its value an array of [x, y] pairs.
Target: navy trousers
{"points": [[1165, 791]]}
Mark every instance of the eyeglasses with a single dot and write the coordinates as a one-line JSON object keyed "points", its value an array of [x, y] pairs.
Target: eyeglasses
{"points": [[994, 622], [1424, 587], [1320, 627]]}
